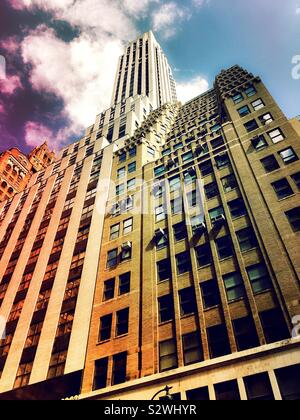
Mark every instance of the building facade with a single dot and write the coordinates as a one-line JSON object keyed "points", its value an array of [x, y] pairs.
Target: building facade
{"points": [[160, 249], [17, 168]]}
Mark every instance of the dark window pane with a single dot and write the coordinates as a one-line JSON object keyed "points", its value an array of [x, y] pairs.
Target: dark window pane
{"points": [[227, 391], [210, 294], [164, 270], [274, 326], [204, 255], [289, 383], [166, 308], [218, 341], [282, 189], [224, 247], [259, 388], [100, 375], [119, 369], [294, 218], [200, 394], [168, 355], [245, 333], [192, 348], [188, 303]]}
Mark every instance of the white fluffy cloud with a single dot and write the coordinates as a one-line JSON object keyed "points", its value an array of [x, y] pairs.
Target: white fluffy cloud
{"points": [[166, 18], [192, 88]]}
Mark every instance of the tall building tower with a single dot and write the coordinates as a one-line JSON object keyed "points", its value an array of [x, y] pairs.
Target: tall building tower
{"points": [[144, 70], [166, 254]]}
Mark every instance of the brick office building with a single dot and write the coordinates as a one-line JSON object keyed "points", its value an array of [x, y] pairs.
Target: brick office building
{"points": [[17, 168], [115, 290]]}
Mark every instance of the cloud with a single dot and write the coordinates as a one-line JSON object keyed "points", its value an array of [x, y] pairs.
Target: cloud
{"points": [[9, 85], [167, 17], [36, 133], [298, 11], [10, 45], [80, 72], [191, 89]]}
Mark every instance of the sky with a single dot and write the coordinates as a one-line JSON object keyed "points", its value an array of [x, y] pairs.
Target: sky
{"points": [[58, 58]]}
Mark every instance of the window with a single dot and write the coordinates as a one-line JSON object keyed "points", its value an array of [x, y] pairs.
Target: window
{"points": [[192, 198], [237, 208], [210, 294], [270, 163], [187, 157], [162, 240], [211, 190], [132, 167], [126, 251], [294, 218], [222, 160], [245, 333], [168, 355], [238, 98], [289, 383], [229, 183], [251, 126], [199, 394], [112, 258], [166, 308], [122, 157], [204, 256], [109, 290], [160, 214], [266, 119], [187, 299], [121, 173], [128, 226], [282, 189], [234, 286], [259, 387], [122, 322], [247, 239], [114, 232], [174, 184], [132, 152], [192, 349], [224, 247], [177, 206], [276, 135], [216, 128], [244, 111], [164, 271], [183, 263], [227, 391], [105, 328], [259, 143], [259, 278], [217, 143], [124, 283], [120, 189], [206, 168], [288, 156], [131, 184], [217, 212], [296, 179], [160, 170], [180, 231], [258, 104], [100, 374], [274, 326], [218, 341], [250, 91], [119, 369], [150, 151]]}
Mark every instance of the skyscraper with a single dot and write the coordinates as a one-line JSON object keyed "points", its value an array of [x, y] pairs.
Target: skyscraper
{"points": [[165, 252]]}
